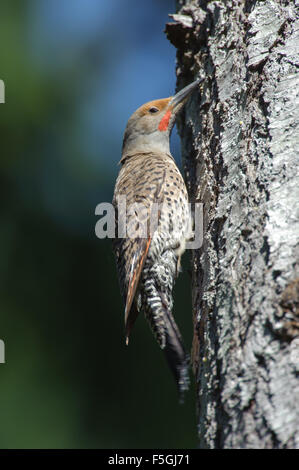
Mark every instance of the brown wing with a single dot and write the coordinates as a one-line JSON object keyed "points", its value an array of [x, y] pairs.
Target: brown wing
{"points": [[136, 269], [131, 253]]}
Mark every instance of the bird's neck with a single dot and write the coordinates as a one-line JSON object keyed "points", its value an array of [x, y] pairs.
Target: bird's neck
{"points": [[157, 142]]}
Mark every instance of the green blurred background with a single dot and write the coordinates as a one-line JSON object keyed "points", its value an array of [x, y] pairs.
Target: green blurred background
{"points": [[74, 71]]}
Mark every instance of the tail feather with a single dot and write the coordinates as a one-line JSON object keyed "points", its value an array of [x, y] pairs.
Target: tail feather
{"points": [[176, 356], [157, 306]]}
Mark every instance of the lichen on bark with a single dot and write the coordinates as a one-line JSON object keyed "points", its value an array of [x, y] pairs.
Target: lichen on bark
{"points": [[240, 144]]}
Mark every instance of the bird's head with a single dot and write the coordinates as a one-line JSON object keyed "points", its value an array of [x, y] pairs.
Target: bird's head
{"points": [[149, 128]]}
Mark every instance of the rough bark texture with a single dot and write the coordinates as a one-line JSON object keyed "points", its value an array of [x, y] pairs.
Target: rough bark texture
{"points": [[240, 149]]}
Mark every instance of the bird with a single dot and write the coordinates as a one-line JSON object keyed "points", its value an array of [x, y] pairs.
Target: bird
{"points": [[153, 223]]}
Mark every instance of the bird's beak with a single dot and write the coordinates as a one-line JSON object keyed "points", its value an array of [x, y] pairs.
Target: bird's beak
{"points": [[178, 100]]}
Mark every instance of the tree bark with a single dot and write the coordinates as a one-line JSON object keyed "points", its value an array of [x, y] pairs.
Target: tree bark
{"points": [[240, 150]]}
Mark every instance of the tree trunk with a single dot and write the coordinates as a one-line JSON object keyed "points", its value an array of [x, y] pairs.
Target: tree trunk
{"points": [[240, 150]]}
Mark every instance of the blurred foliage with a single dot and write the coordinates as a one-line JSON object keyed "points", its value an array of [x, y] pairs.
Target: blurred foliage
{"points": [[69, 381]]}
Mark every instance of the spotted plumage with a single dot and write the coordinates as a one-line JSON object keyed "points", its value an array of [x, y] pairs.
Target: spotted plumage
{"points": [[151, 199]]}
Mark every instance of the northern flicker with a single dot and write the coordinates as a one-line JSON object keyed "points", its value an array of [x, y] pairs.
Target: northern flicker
{"points": [[148, 262]]}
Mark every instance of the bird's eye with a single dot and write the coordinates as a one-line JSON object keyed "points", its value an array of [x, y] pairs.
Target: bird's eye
{"points": [[153, 110]]}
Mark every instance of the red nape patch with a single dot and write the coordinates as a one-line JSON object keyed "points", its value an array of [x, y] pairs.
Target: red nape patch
{"points": [[163, 126]]}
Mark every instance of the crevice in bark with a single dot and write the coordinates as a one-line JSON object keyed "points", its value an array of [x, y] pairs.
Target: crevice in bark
{"points": [[239, 150]]}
